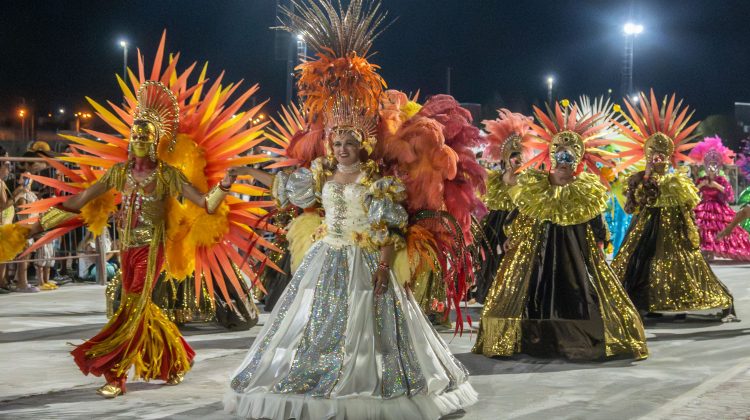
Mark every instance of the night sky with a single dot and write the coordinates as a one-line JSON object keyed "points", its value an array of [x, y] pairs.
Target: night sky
{"points": [[500, 52]]}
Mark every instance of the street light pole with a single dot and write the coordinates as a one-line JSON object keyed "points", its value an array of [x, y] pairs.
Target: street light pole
{"points": [[550, 85], [22, 114], [124, 45], [631, 30]]}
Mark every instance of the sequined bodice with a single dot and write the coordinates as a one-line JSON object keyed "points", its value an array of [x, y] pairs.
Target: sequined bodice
{"points": [[345, 211], [142, 209]]}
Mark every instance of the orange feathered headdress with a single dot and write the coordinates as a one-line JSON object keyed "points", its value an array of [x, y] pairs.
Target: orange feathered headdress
{"points": [[341, 40], [655, 128], [584, 136], [507, 134]]}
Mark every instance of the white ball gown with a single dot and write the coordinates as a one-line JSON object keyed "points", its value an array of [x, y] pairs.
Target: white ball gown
{"points": [[332, 349]]}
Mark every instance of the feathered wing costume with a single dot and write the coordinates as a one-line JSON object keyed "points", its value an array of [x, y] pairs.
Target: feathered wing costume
{"points": [[554, 294], [505, 138], [198, 136], [333, 348], [713, 213], [660, 263]]}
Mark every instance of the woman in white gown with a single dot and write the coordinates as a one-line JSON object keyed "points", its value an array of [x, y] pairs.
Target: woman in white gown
{"points": [[345, 340]]}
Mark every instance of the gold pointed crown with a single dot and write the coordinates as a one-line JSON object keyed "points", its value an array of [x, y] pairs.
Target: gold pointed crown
{"points": [[158, 105], [351, 115]]}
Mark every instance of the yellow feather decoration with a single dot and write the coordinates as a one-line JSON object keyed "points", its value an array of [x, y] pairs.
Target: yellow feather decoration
{"points": [[12, 241], [208, 228], [411, 108], [401, 267], [299, 234], [97, 211], [188, 158], [179, 253]]}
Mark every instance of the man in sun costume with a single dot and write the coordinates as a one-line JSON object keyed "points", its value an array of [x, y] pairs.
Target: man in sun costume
{"points": [[554, 294], [177, 144], [660, 262]]}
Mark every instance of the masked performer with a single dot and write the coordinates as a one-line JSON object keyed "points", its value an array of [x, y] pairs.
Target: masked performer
{"points": [[346, 340], [155, 230], [742, 218], [506, 134], [660, 263], [713, 213], [554, 294]]}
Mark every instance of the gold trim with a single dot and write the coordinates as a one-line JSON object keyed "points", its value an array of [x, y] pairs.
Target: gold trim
{"points": [[214, 197], [55, 217], [578, 202]]}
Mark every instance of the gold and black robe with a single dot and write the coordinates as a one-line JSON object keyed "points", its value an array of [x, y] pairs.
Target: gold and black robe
{"points": [[660, 262], [554, 294]]}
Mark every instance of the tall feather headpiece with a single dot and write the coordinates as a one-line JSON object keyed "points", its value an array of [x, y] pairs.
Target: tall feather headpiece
{"points": [[656, 129], [341, 40], [712, 151], [563, 127], [507, 134]]}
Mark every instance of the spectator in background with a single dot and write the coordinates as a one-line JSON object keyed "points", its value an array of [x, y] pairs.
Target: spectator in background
{"points": [[7, 212], [87, 264], [21, 196], [45, 261]]}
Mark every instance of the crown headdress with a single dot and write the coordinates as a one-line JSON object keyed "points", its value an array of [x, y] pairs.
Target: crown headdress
{"points": [[351, 115], [158, 105]]}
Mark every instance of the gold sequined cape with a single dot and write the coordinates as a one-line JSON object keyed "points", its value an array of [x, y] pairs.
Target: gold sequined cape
{"points": [[660, 262], [554, 294]]}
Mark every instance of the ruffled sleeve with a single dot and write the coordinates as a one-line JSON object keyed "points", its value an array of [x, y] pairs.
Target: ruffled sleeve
{"points": [[497, 197], [385, 213], [677, 190], [297, 188], [728, 193]]}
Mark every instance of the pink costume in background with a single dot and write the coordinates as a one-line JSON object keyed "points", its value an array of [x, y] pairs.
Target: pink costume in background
{"points": [[713, 214]]}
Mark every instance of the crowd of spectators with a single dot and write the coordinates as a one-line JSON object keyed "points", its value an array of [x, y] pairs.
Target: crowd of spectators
{"points": [[71, 258]]}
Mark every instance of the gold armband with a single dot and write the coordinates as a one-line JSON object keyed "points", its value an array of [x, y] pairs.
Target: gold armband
{"points": [[55, 217], [214, 197]]}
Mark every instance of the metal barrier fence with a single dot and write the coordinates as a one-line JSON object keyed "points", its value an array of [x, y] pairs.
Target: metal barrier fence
{"points": [[69, 242]]}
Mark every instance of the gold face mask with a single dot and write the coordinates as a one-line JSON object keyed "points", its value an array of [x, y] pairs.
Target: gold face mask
{"points": [[512, 149], [658, 148], [143, 136], [567, 148]]}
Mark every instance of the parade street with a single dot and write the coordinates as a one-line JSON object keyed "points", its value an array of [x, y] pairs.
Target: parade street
{"points": [[697, 369]]}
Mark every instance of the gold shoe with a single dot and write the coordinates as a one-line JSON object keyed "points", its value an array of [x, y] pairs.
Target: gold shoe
{"points": [[109, 391], [176, 378]]}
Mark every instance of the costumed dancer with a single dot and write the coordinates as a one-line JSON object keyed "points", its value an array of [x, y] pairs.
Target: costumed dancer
{"points": [[554, 294], [742, 218], [713, 213], [155, 230], [505, 138], [346, 340], [660, 263]]}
